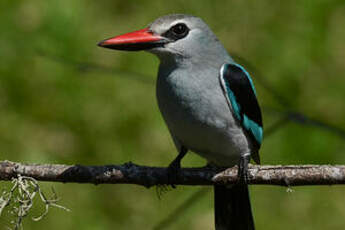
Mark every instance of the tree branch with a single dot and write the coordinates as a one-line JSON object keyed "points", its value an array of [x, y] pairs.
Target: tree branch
{"points": [[130, 173]]}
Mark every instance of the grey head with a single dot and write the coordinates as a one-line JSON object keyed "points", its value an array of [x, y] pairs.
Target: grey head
{"points": [[177, 37], [188, 37]]}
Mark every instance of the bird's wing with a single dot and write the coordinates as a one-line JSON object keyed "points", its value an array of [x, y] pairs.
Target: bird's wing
{"points": [[240, 93]]}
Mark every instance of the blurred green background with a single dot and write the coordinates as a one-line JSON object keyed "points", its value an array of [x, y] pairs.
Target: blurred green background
{"points": [[53, 110]]}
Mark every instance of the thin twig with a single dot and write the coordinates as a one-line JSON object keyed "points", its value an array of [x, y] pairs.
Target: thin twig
{"points": [[302, 119], [295, 116], [83, 66]]}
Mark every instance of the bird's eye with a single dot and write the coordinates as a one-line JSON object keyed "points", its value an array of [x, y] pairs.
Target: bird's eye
{"points": [[180, 29], [176, 32]]}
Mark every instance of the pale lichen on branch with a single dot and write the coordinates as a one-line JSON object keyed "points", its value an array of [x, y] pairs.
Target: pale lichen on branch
{"points": [[20, 199]]}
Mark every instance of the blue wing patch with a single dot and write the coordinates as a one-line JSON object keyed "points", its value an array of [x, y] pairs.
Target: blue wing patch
{"points": [[254, 128], [240, 92]]}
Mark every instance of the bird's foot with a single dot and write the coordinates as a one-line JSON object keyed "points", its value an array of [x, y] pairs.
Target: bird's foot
{"points": [[161, 189], [173, 171], [210, 166], [243, 168]]}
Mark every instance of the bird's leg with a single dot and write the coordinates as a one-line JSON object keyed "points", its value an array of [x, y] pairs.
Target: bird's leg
{"points": [[175, 166], [243, 168]]}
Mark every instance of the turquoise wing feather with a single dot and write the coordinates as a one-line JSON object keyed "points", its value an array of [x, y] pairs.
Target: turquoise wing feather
{"points": [[240, 92]]}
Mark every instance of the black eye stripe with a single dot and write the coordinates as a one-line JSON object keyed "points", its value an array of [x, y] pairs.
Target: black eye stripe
{"points": [[177, 32], [179, 28]]}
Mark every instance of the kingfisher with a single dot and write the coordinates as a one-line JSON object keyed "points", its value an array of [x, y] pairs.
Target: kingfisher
{"points": [[208, 102]]}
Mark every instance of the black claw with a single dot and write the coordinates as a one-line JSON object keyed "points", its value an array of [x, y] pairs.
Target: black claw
{"points": [[173, 171], [161, 190], [210, 166]]}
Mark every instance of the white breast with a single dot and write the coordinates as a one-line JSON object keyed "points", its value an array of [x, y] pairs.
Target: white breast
{"points": [[198, 116]]}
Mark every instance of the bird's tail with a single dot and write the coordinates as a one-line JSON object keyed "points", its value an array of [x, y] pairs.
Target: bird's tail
{"points": [[232, 208]]}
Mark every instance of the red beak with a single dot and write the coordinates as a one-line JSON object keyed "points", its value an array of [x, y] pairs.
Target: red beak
{"points": [[138, 40]]}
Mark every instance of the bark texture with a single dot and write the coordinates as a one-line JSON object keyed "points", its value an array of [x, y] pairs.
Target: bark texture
{"points": [[129, 173]]}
